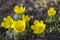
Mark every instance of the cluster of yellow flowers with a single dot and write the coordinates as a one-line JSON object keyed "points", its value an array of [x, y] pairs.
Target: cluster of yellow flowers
{"points": [[38, 27], [20, 25], [51, 11]]}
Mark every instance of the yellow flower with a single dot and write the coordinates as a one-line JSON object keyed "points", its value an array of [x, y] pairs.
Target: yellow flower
{"points": [[19, 10], [51, 11], [38, 27], [19, 26], [7, 22], [25, 18]]}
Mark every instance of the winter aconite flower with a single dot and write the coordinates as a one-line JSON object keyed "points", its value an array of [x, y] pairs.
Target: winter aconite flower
{"points": [[51, 11], [7, 22], [19, 10], [19, 26], [38, 27], [25, 18]]}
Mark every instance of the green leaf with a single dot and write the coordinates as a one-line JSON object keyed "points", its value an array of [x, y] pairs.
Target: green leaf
{"points": [[58, 29], [56, 17], [24, 33], [42, 35], [15, 34], [50, 30], [49, 19], [15, 16], [20, 16]]}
